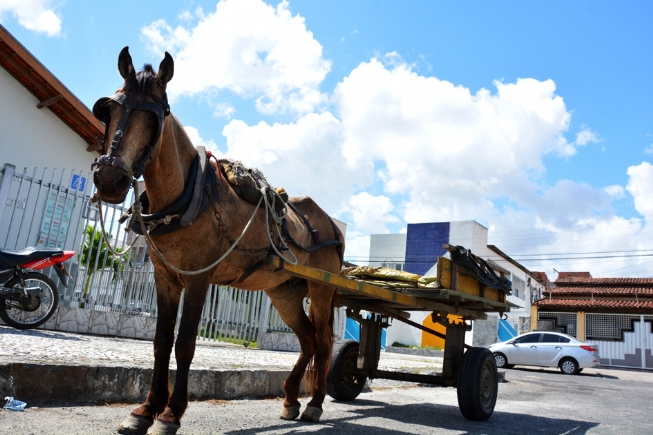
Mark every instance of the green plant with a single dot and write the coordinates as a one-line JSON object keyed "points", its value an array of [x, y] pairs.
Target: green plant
{"points": [[397, 344], [226, 338], [97, 256]]}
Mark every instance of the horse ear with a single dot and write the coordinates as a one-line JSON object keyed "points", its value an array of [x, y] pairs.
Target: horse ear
{"points": [[125, 65], [166, 70]]}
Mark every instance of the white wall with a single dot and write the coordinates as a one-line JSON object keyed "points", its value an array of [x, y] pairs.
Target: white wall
{"points": [[32, 137], [387, 246]]}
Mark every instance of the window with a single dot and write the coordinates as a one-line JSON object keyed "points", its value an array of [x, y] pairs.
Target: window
{"points": [[551, 338], [518, 286], [530, 338]]}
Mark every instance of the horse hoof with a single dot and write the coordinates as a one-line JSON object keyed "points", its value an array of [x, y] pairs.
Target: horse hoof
{"points": [[163, 428], [290, 412], [134, 425], [312, 414]]}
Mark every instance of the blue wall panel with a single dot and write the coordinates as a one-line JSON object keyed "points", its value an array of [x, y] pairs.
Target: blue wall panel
{"points": [[424, 245]]}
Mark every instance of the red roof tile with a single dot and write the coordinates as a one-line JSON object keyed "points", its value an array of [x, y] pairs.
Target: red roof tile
{"points": [[566, 275], [594, 305], [605, 281], [598, 291]]}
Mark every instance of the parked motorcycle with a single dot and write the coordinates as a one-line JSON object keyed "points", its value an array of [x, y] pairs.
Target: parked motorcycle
{"points": [[28, 298]]}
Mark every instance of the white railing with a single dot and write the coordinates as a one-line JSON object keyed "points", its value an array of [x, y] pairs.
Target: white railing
{"points": [[51, 208]]}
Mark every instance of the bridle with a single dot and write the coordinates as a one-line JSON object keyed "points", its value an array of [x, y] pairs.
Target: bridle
{"points": [[102, 111]]}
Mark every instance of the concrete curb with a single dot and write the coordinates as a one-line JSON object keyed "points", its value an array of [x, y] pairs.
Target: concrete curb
{"points": [[45, 383], [411, 351]]}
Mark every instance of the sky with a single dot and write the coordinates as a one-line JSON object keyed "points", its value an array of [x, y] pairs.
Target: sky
{"points": [[532, 118]]}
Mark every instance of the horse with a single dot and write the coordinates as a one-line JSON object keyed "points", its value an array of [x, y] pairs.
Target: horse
{"points": [[149, 141]]}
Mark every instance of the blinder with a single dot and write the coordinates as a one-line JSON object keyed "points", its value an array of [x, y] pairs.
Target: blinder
{"points": [[102, 111]]}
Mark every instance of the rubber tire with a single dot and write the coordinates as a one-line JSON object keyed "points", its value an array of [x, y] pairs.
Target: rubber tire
{"points": [[503, 365], [569, 366], [340, 385], [477, 384], [33, 276]]}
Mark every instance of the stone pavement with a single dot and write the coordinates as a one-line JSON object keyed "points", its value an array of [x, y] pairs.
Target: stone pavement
{"points": [[40, 366]]}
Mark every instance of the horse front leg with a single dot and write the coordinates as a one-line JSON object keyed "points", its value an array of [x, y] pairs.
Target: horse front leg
{"points": [[169, 421], [143, 417]]}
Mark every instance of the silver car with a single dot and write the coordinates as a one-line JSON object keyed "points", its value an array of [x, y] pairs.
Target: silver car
{"points": [[546, 349]]}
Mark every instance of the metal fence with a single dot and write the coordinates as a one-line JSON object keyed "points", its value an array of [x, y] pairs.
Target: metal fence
{"points": [[51, 208]]}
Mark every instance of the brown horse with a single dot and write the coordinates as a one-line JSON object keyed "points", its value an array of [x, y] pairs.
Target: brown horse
{"points": [[148, 140]]}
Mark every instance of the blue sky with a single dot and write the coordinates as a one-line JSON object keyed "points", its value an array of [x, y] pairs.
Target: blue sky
{"points": [[533, 118]]}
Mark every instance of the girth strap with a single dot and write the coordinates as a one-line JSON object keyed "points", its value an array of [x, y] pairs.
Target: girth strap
{"points": [[319, 244]]}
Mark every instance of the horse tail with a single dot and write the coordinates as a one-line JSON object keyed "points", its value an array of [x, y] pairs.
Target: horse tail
{"points": [[312, 379]]}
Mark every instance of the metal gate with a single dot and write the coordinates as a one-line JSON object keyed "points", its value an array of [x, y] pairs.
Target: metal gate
{"points": [[51, 208]]}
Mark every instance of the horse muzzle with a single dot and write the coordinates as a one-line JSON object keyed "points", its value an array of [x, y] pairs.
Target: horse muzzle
{"points": [[112, 183]]}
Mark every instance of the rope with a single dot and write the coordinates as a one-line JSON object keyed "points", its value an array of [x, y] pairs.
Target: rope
{"points": [[269, 207], [97, 200]]}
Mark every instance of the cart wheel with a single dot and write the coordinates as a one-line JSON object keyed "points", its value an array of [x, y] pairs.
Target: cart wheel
{"points": [[342, 383], [477, 384]]}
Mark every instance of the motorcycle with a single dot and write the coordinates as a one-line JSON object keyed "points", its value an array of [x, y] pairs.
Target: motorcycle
{"points": [[29, 298]]}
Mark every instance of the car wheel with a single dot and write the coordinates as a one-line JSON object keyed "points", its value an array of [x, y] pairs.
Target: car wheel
{"points": [[569, 366], [502, 361]]}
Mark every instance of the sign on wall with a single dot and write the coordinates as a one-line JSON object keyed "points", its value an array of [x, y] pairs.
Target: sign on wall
{"points": [[56, 219]]}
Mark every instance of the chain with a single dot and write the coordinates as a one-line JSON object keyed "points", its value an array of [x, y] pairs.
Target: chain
{"points": [[225, 233]]}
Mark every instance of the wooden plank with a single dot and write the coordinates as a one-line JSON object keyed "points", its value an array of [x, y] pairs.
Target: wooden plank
{"points": [[336, 280], [376, 294]]}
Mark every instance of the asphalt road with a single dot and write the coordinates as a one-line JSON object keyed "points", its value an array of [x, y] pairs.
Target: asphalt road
{"points": [[533, 401]]}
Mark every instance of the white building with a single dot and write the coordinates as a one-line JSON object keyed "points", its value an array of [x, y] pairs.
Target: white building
{"points": [[417, 251], [42, 122]]}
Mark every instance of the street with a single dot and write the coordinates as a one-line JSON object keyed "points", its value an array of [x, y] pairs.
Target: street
{"points": [[541, 401]]}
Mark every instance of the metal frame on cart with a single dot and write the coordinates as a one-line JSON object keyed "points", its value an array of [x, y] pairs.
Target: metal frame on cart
{"points": [[465, 293]]}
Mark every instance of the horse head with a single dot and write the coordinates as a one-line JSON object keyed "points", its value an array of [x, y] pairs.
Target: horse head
{"points": [[133, 119]]}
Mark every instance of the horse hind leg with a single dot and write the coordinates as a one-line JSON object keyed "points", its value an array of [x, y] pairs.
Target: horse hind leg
{"points": [[288, 300], [321, 316]]}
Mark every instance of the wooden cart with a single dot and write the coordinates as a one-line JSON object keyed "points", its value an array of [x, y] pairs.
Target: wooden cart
{"points": [[468, 289]]}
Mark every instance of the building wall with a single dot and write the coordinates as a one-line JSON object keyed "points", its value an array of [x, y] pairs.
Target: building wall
{"points": [[386, 248], [36, 137], [424, 245]]}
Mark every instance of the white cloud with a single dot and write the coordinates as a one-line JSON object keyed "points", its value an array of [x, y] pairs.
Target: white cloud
{"points": [[640, 186], [224, 110], [197, 140], [615, 191], [35, 15], [649, 149], [357, 247], [586, 136], [249, 48], [371, 213], [305, 157], [448, 150]]}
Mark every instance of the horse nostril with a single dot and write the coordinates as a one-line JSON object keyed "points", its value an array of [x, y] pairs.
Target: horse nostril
{"points": [[123, 183]]}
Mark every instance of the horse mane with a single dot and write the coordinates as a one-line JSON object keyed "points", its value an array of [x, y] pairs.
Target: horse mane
{"points": [[142, 81]]}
